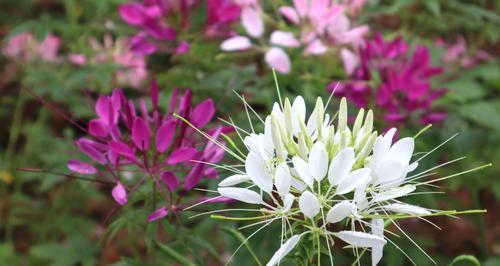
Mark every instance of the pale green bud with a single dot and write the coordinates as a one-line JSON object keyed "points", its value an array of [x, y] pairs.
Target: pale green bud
{"points": [[276, 137], [287, 112], [343, 114], [319, 110], [302, 146], [369, 121], [358, 122], [366, 150]]}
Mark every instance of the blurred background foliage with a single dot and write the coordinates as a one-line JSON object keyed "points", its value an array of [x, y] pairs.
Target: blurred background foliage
{"points": [[47, 219]]}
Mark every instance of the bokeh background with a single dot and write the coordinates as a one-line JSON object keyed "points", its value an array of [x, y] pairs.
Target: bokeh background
{"points": [[58, 56]]}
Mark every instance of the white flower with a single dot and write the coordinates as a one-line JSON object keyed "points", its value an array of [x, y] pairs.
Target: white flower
{"points": [[305, 167]]}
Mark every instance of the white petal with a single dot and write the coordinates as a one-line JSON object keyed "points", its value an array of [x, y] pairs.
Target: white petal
{"points": [[393, 193], [378, 230], [233, 180], [297, 184], [389, 170], [288, 246], [284, 38], [283, 179], [309, 204], [360, 239], [360, 197], [236, 43], [402, 150], [255, 167], [340, 211], [278, 59], [318, 161], [341, 166], [303, 170], [287, 203], [406, 208], [251, 20], [241, 194], [355, 179]]}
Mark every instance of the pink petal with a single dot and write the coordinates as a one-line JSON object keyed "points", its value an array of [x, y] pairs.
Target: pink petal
{"points": [[182, 48], [278, 59], [350, 60], [170, 180], [132, 13], [289, 13], [89, 149], [203, 113], [158, 214], [194, 176], [284, 38], [236, 43], [164, 135], [182, 154], [354, 36], [141, 134], [315, 47], [119, 194], [98, 128], [105, 110], [302, 7], [77, 59], [252, 22], [81, 167], [122, 149]]}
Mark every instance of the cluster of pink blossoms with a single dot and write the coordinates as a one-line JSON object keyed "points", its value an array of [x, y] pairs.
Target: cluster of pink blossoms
{"points": [[323, 25], [160, 24], [150, 145], [394, 78], [25, 47], [131, 67]]}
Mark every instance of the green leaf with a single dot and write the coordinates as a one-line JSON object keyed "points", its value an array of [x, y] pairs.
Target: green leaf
{"points": [[174, 254], [465, 260], [482, 113], [434, 7], [492, 262], [465, 90]]}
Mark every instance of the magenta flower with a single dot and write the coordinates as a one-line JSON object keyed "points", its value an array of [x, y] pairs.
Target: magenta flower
{"points": [[151, 145], [159, 32], [220, 15], [25, 47], [395, 78]]}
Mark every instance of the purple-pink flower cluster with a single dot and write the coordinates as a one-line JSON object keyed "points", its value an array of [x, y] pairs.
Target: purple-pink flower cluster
{"points": [[131, 67], [161, 21], [395, 78], [150, 145], [25, 47]]}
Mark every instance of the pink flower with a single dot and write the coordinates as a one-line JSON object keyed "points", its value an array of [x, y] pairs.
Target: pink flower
{"points": [[393, 78], [158, 146], [26, 47], [251, 19], [131, 67]]}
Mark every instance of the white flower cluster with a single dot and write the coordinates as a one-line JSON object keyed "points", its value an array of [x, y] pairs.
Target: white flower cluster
{"points": [[320, 174]]}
